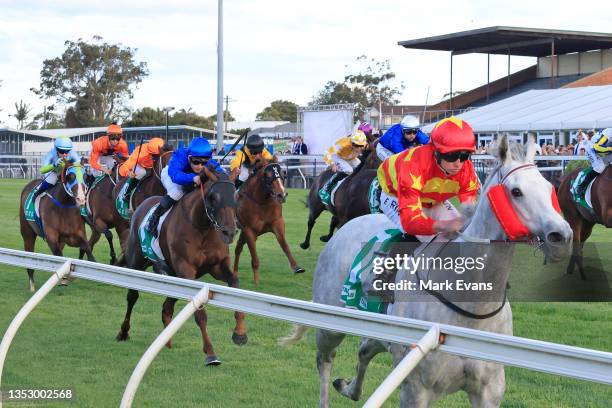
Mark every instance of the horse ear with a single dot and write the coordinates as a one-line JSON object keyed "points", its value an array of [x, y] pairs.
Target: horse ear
{"points": [[500, 149], [274, 159], [530, 149]]}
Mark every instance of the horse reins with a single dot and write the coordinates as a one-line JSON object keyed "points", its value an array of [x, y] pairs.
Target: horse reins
{"points": [[450, 304], [453, 306], [160, 164], [210, 217]]}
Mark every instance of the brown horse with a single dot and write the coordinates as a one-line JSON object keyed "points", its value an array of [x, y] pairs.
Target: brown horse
{"points": [[103, 215], [194, 241], [59, 215], [260, 210], [579, 218], [350, 200], [149, 186]]}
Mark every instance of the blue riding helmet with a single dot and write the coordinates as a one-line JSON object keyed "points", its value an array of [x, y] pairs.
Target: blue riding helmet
{"points": [[199, 147], [63, 144]]}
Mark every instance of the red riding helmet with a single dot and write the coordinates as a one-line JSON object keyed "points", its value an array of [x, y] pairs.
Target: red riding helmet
{"points": [[452, 135]]}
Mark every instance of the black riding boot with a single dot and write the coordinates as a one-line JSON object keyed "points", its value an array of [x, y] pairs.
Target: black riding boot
{"points": [[132, 183], [164, 205], [44, 186], [585, 183]]}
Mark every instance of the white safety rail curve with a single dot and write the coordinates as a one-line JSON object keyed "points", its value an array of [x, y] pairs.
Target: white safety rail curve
{"points": [[552, 358]]}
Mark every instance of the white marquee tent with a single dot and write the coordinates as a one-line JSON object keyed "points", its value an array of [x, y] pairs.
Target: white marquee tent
{"points": [[544, 110]]}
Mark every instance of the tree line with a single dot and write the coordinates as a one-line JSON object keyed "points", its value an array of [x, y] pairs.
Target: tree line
{"points": [[92, 82]]}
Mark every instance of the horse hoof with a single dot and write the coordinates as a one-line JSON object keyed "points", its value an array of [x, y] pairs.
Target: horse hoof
{"points": [[298, 269], [305, 245], [122, 336], [324, 238], [112, 261], [340, 384], [212, 361], [239, 339]]}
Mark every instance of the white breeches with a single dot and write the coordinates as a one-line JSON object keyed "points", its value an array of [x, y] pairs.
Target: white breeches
{"points": [[443, 211], [244, 173], [173, 190], [140, 172], [597, 162], [346, 166], [51, 177], [106, 163], [382, 152]]}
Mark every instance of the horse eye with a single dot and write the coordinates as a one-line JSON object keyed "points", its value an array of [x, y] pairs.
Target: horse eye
{"points": [[516, 192]]}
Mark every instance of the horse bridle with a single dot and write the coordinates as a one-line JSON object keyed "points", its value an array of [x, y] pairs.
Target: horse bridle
{"points": [[502, 180], [208, 209], [63, 180], [267, 181]]}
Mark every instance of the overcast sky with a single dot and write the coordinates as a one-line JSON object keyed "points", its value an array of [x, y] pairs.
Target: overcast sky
{"points": [[274, 49]]}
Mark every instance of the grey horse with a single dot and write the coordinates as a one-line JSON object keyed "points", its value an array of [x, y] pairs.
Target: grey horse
{"points": [[440, 374]]}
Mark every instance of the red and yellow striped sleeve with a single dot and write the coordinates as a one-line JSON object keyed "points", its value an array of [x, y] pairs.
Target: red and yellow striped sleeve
{"points": [[414, 221]]}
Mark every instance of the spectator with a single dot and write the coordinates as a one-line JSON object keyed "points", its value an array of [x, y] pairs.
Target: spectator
{"points": [[299, 147], [590, 134], [582, 141]]}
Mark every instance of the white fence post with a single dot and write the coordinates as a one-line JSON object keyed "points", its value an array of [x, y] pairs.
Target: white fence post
{"points": [[147, 358], [408, 363], [26, 310]]}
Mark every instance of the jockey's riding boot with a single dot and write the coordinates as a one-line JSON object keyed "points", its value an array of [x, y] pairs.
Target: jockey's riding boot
{"points": [[238, 183], [585, 183], [329, 186], [44, 186], [132, 183], [164, 205]]}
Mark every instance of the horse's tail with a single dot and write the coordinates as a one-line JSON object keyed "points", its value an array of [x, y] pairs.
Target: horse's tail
{"points": [[297, 334]]}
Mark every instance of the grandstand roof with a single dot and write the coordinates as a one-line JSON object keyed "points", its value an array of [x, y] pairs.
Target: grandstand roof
{"points": [[544, 110], [529, 42]]}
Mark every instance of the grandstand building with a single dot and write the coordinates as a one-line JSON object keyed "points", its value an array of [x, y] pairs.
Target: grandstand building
{"points": [[570, 79], [37, 142]]}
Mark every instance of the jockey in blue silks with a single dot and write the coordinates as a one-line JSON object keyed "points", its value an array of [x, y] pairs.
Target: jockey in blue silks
{"points": [[400, 137], [182, 174], [54, 162]]}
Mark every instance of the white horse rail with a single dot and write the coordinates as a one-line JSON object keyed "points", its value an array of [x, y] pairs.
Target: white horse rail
{"points": [[569, 361], [11, 331]]}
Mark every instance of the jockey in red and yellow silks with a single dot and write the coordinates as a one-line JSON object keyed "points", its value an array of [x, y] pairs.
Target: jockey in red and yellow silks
{"points": [[417, 183]]}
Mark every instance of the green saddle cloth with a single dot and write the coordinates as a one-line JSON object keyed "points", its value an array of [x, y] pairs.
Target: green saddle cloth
{"points": [[327, 191], [84, 211], [147, 240], [29, 207], [580, 198], [352, 294], [374, 196], [123, 206]]}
